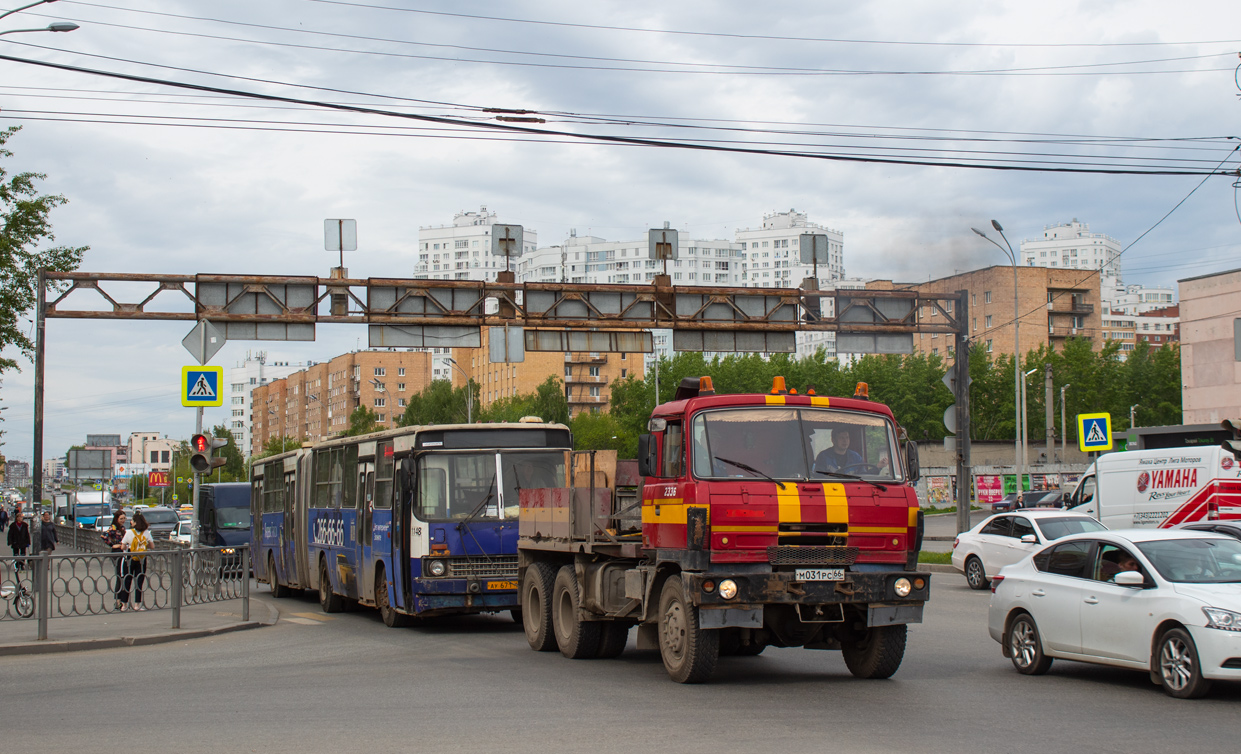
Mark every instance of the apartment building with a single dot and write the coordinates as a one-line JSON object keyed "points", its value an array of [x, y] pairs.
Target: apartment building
{"points": [[254, 370], [586, 377], [315, 403], [152, 450], [1054, 305], [1210, 335]]}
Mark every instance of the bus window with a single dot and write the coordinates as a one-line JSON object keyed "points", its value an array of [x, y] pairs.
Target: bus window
{"points": [[383, 475], [347, 462], [432, 494]]}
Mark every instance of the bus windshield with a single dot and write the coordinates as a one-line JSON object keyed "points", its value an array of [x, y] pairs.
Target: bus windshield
{"points": [[454, 486], [815, 444]]}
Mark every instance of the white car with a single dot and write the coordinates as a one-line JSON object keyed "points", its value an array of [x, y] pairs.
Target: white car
{"points": [[1006, 538], [182, 533], [1167, 601]]}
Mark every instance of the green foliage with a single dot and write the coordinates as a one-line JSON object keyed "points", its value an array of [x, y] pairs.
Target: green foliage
{"points": [[603, 432], [24, 226], [546, 402], [236, 468], [362, 421], [278, 444], [439, 403]]}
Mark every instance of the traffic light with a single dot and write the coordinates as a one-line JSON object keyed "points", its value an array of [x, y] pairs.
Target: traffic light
{"points": [[202, 450]]}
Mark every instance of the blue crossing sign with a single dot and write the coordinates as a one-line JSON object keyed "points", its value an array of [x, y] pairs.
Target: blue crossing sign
{"points": [[1094, 432], [202, 386]]}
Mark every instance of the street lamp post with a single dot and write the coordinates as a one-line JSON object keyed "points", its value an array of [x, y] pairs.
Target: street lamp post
{"points": [[1133, 415], [1018, 444], [54, 26], [469, 392]]}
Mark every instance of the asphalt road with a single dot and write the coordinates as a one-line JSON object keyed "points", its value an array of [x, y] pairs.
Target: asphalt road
{"points": [[315, 683]]}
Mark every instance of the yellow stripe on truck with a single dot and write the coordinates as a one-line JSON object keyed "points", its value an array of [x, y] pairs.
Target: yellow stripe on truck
{"points": [[818, 400], [837, 503], [666, 511], [789, 502], [775, 400]]}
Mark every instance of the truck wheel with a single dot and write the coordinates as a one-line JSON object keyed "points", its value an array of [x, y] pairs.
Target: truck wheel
{"points": [[536, 607], [613, 637], [689, 652], [328, 600], [877, 654], [577, 639], [273, 581], [975, 574]]}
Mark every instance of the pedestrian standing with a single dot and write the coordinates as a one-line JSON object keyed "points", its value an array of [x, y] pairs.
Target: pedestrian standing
{"points": [[19, 537], [113, 538], [47, 534], [4, 517], [136, 542]]}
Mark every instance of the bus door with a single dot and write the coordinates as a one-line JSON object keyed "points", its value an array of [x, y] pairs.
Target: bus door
{"points": [[287, 526], [365, 535]]}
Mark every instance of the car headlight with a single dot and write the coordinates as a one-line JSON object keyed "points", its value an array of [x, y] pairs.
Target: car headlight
{"points": [[437, 568], [728, 589], [902, 587], [1223, 619], [227, 551]]}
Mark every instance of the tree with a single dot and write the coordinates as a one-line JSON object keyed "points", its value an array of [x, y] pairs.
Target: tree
{"points": [[361, 422], [546, 402], [439, 403], [24, 226], [235, 468], [278, 444]]}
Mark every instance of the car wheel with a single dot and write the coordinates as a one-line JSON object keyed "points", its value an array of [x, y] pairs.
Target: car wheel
{"points": [[1178, 666], [1025, 647], [975, 574]]}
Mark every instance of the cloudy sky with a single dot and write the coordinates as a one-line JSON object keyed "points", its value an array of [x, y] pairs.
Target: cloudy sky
{"points": [[168, 180]]}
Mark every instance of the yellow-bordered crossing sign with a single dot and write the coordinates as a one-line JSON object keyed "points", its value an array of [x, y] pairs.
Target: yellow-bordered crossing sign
{"points": [[1094, 432], [202, 386]]}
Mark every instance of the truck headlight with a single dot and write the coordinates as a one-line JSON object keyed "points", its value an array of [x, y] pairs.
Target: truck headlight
{"points": [[728, 589], [902, 587], [1220, 618], [437, 568]]}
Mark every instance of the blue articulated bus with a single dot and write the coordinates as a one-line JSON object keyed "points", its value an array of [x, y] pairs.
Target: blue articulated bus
{"points": [[415, 521]]}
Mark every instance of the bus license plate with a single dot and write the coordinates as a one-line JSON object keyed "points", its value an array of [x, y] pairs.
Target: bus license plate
{"points": [[819, 574], [494, 585]]}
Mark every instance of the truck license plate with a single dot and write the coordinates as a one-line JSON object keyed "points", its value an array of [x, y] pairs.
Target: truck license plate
{"points": [[819, 574], [493, 585]]}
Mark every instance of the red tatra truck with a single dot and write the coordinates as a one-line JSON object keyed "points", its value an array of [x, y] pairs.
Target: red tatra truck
{"points": [[765, 520]]}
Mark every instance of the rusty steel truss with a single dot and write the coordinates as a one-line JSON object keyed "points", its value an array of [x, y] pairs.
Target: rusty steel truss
{"points": [[306, 300]]}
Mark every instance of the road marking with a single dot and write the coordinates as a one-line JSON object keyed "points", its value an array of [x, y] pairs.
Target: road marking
{"points": [[315, 616], [304, 621]]}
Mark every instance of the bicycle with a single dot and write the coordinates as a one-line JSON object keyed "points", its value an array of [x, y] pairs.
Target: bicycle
{"points": [[20, 597]]}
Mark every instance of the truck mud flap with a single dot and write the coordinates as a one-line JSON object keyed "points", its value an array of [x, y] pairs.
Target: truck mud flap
{"points": [[891, 615], [731, 617]]}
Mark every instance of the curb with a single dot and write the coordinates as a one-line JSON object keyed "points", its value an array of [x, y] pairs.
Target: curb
{"points": [[938, 568], [82, 645]]}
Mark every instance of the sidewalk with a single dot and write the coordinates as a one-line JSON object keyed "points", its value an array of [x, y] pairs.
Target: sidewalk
{"points": [[17, 637]]}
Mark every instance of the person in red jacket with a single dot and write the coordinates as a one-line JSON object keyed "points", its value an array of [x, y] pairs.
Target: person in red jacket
{"points": [[19, 536]]}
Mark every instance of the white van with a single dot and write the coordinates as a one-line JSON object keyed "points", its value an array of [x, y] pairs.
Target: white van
{"points": [[1160, 488]]}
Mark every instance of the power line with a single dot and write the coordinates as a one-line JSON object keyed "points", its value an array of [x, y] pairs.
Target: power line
{"points": [[603, 138]]}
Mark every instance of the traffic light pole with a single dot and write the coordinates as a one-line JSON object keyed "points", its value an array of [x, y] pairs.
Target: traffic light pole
{"points": [[198, 429]]}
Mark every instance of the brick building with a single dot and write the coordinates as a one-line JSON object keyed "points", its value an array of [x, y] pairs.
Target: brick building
{"points": [[586, 376], [1210, 334], [315, 403], [1055, 305]]}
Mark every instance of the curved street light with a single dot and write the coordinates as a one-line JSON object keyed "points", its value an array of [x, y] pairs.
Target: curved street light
{"points": [[54, 26], [1018, 447], [469, 389]]}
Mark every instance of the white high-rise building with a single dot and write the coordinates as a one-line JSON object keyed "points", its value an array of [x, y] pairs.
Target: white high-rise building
{"points": [[1139, 299], [462, 251], [1072, 245], [773, 260], [249, 373]]}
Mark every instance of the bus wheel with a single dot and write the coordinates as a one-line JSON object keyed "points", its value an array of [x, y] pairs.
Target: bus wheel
{"points": [[273, 580], [877, 654], [328, 600], [690, 652], [578, 639], [536, 607], [391, 618]]}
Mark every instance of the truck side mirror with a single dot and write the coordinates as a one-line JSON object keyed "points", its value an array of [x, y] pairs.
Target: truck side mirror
{"points": [[913, 469], [647, 462]]}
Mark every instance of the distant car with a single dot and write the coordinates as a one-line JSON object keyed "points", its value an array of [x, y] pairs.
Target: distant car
{"points": [[1227, 528], [182, 534], [103, 523], [1007, 503], [1163, 601], [162, 522], [1043, 499], [1006, 538]]}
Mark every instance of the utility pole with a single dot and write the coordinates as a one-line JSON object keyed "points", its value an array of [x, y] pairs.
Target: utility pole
{"points": [[965, 472], [1064, 434]]}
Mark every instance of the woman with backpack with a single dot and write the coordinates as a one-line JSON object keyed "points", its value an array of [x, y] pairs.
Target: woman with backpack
{"points": [[113, 538], [136, 542]]}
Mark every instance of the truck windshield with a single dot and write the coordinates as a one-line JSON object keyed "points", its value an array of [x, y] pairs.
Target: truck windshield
{"points": [[83, 510], [232, 518], [815, 444]]}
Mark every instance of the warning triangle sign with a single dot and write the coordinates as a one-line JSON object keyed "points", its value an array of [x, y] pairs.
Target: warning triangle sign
{"points": [[202, 388], [1096, 433]]}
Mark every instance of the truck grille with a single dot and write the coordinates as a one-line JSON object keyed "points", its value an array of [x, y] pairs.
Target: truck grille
{"points": [[499, 567], [795, 555]]}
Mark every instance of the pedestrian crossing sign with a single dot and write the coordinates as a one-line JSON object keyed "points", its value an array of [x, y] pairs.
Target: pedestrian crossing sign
{"points": [[201, 386], [1094, 432]]}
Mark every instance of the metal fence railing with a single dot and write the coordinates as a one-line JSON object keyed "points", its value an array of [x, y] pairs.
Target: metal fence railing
{"points": [[40, 587], [91, 540]]}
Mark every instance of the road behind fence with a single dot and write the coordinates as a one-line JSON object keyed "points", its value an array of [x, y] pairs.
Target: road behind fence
{"points": [[45, 586]]}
